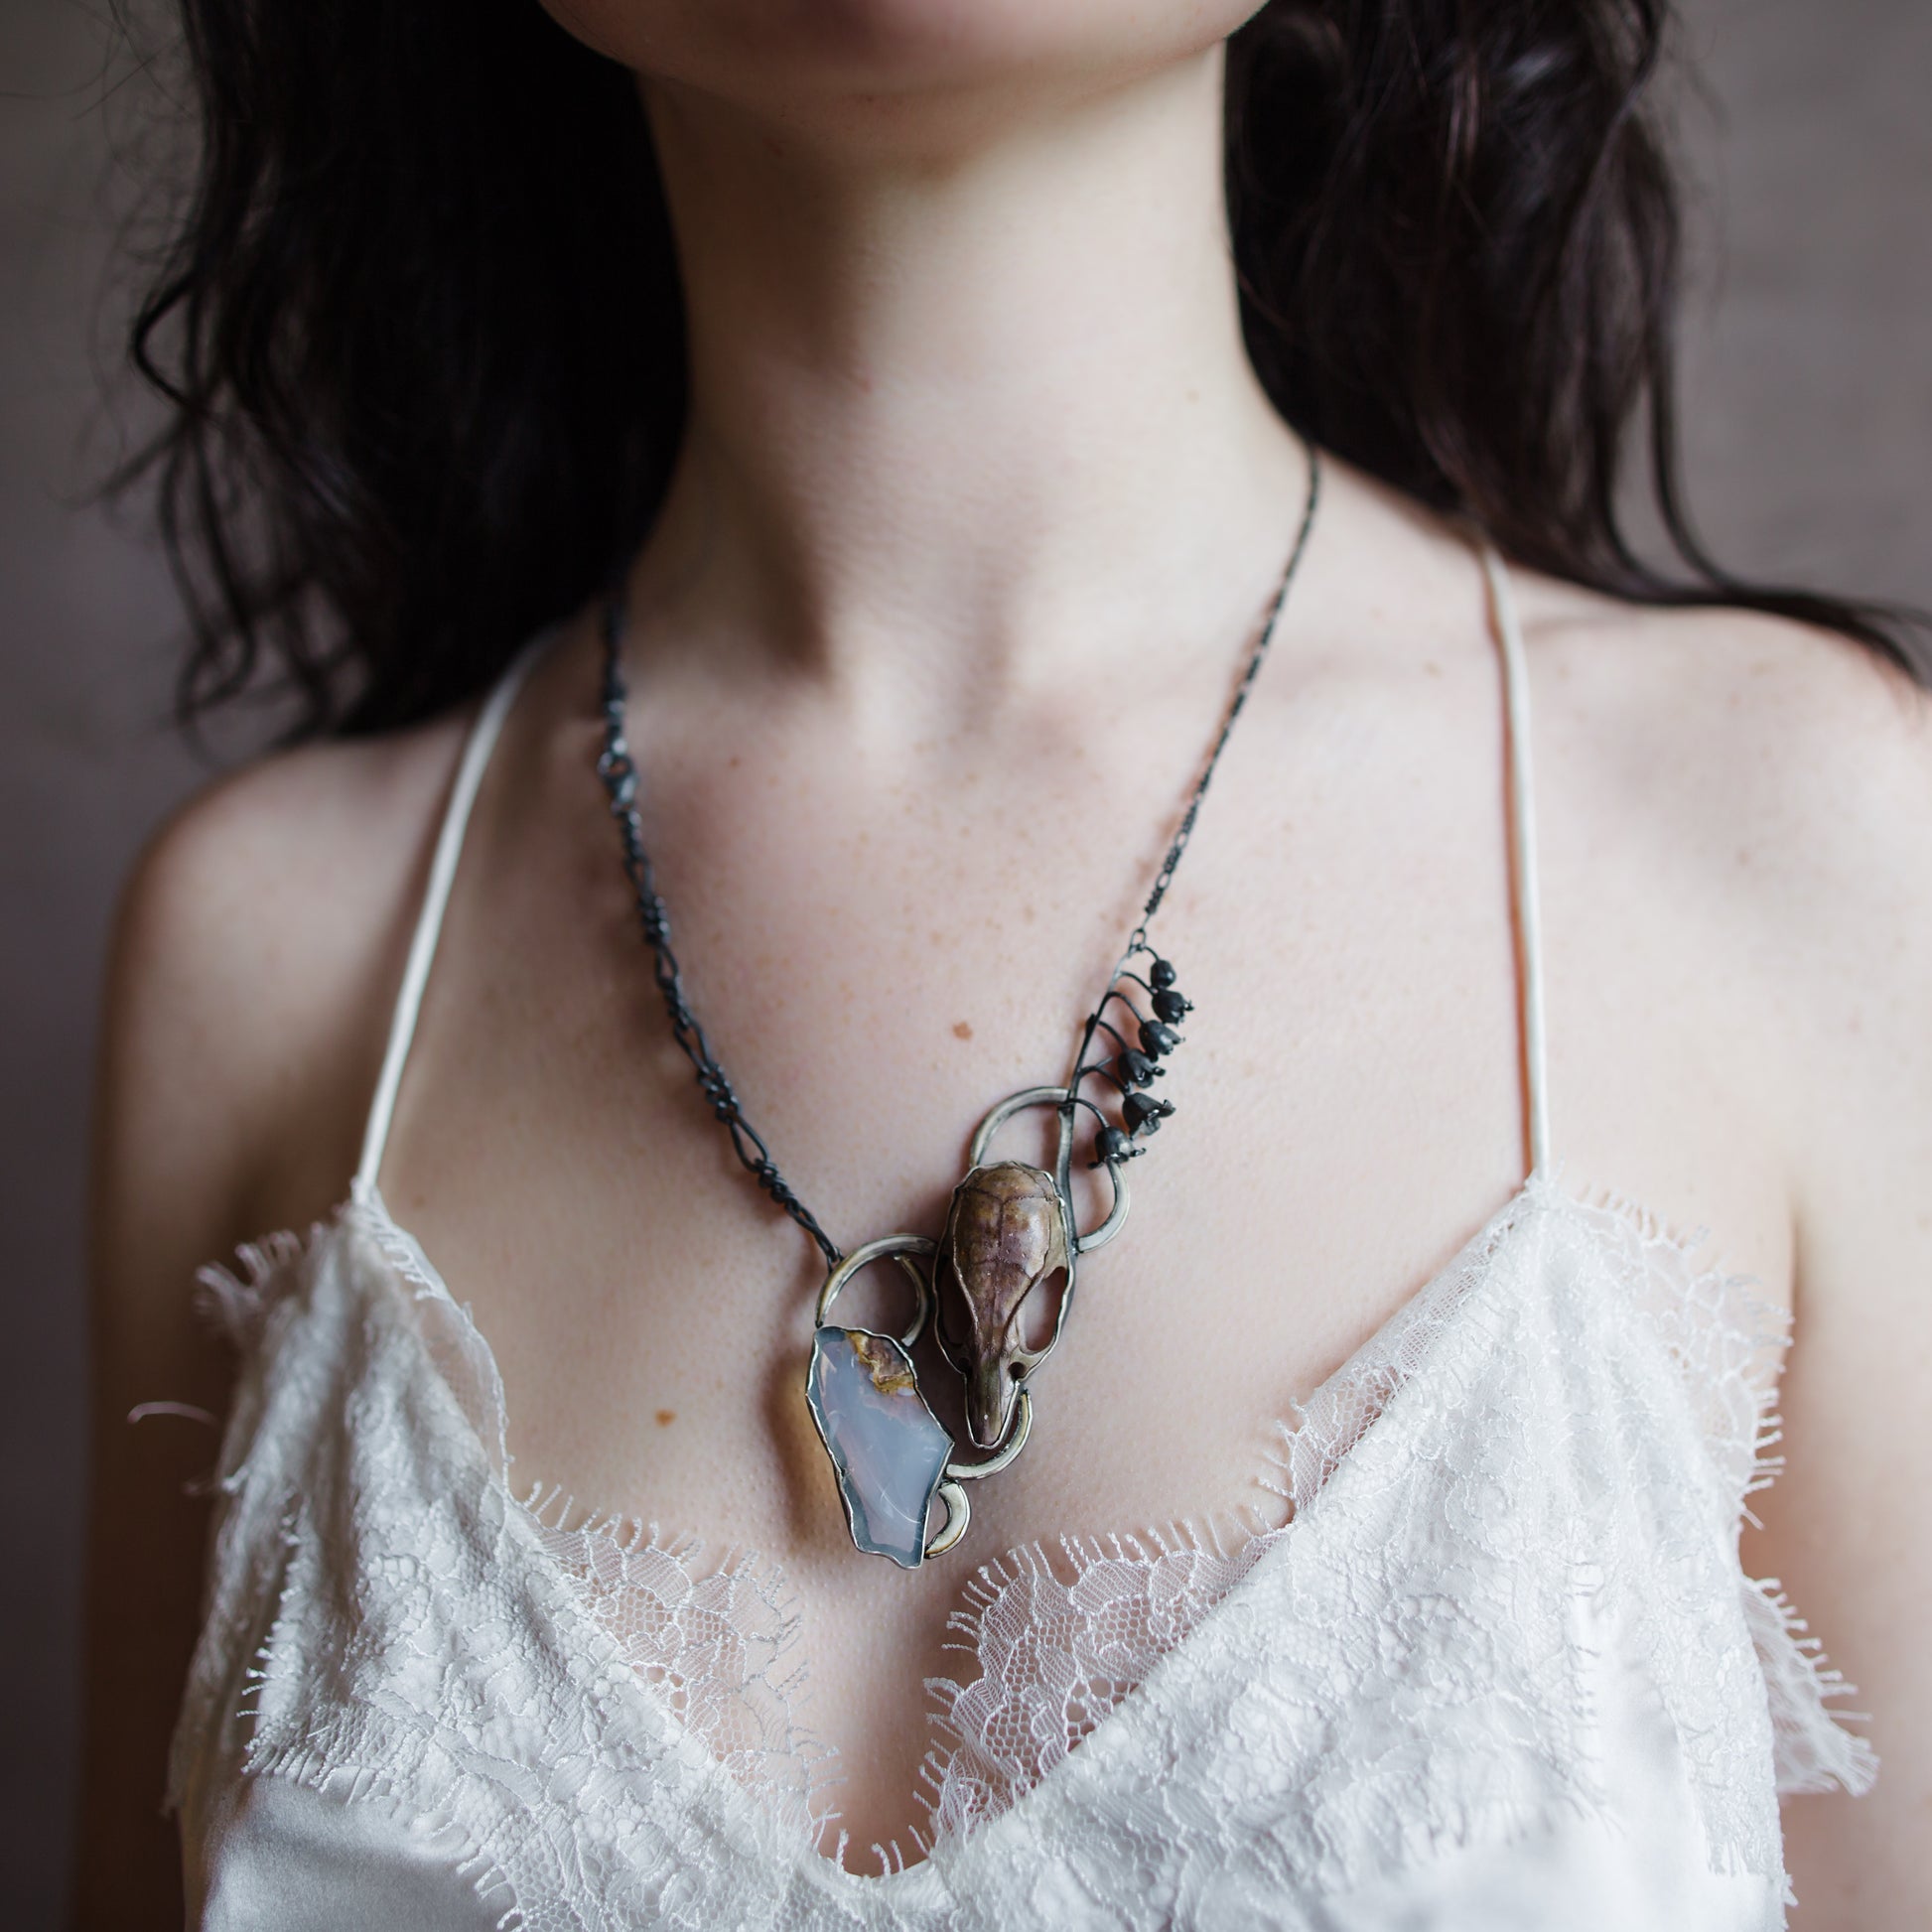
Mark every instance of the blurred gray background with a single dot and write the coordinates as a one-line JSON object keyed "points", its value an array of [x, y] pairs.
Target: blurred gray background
{"points": [[1809, 406]]}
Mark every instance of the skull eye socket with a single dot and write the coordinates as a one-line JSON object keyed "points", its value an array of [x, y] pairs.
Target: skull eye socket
{"points": [[1038, 1316]]}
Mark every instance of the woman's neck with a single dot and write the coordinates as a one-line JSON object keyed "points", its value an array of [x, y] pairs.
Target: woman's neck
{"points": [[968, 411]]}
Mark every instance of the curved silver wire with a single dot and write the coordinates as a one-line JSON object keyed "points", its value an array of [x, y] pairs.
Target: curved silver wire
{"points": [[1012, 1104], [1084, 1244], [959, 1504], [898, 1247], [959, 1512]]}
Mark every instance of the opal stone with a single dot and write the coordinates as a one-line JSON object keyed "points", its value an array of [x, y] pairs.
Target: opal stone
{"points": [[886, 1444]]}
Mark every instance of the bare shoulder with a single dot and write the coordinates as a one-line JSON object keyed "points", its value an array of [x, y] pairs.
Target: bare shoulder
{"points": [[1760, 793], [1789, 720], [1774, 781], [1750, 797], [254, 938]]}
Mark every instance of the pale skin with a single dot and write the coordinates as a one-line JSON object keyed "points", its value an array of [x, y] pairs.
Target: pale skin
{"points": [[979, 506]]}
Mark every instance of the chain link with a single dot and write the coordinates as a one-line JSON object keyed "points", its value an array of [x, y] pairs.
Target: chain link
{"points": [[1136, 939], [618, 771]]}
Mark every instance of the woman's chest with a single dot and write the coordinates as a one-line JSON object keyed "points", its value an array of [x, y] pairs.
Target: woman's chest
{"points": [[1345, 1110], [1347, 1096]]}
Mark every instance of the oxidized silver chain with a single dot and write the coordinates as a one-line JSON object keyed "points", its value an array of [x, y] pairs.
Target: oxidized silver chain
{"points": [[1010, 1227]]}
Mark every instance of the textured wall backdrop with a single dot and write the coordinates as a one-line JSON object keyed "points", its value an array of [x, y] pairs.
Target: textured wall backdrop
{"points": [[1809, 398]]}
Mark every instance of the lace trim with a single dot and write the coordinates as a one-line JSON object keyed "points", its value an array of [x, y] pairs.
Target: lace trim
{"points": [[718, 1640], [235, 1300], [1057, 1657], [1816, 1752], [1727, 1337], [1727, 1340]]}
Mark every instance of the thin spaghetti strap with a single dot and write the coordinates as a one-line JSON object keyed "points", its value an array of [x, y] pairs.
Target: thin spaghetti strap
{"points": [[436, 899], [1522, 855]]}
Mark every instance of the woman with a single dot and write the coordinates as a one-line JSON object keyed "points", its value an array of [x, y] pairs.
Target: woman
{"points": [[937, 448]]}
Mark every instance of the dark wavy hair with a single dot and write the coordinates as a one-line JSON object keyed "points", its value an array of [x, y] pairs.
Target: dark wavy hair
{"points": [[420, 335]]}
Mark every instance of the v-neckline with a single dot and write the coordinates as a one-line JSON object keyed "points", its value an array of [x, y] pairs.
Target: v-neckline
{"points": [[406, 1257]]}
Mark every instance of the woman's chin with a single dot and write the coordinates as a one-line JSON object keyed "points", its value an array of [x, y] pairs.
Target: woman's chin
{"points": [[765, 52]]}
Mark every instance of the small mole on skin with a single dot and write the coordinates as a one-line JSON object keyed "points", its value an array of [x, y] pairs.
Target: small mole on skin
{"points": [[665, 1417], [962, 1029]]}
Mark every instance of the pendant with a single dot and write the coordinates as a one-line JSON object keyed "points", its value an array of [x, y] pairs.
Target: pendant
{"points": [[1009, 1232]]}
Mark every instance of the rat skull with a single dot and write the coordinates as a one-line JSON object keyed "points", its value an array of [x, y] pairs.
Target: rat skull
{"points": [[1006, 1234]]}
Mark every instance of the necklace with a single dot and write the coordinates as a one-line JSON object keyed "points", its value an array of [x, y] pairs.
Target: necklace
{"points": [[1009, 1232]]}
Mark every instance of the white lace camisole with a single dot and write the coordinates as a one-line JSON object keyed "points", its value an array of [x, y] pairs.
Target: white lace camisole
{"points": [[1499, 1668]]}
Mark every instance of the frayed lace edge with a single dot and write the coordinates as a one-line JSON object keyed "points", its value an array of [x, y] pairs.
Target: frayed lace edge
{"points": [[1322, 1433], [1239, 1538], [366, 1210], [1769, 1324], [368, 1213], [557, 1513], [1758, 1325], [1691, 1245], [1762, 1330], [234, 1299], [195, 1717], [305, 1760], [1850, 1764]]}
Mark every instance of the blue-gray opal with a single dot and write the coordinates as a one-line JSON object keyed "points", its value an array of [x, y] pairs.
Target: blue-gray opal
{"points": [[887, 1446]]}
